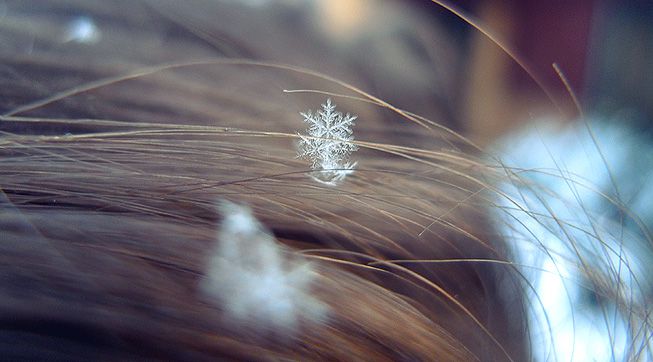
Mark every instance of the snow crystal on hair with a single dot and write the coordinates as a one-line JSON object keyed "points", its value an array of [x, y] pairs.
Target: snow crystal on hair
{"points": [[251, 276], [328, 144]]}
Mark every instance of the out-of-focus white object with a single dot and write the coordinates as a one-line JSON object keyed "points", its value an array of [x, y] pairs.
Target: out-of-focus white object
{"points": [[253, 279], [568, 215], [82, 30]]}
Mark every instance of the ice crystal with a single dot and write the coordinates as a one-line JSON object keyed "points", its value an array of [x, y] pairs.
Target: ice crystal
{"points": [[327, 144]]}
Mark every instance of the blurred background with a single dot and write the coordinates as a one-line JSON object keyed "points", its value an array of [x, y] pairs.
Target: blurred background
{"points": [[604, 48], [412, 53]]}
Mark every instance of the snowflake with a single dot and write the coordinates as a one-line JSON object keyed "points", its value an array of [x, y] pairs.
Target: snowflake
{"points": [[328, 144]]}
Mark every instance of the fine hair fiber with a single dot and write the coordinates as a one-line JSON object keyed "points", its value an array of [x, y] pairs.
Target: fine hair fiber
{"points": [[158, 199]]}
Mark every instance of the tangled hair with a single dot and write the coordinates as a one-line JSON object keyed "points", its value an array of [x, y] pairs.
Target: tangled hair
{"points": [[139, 138]]}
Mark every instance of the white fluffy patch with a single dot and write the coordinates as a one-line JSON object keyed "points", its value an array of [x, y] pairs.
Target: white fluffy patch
{"points": [[584, 258], [251, 276], [82, 30]]}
